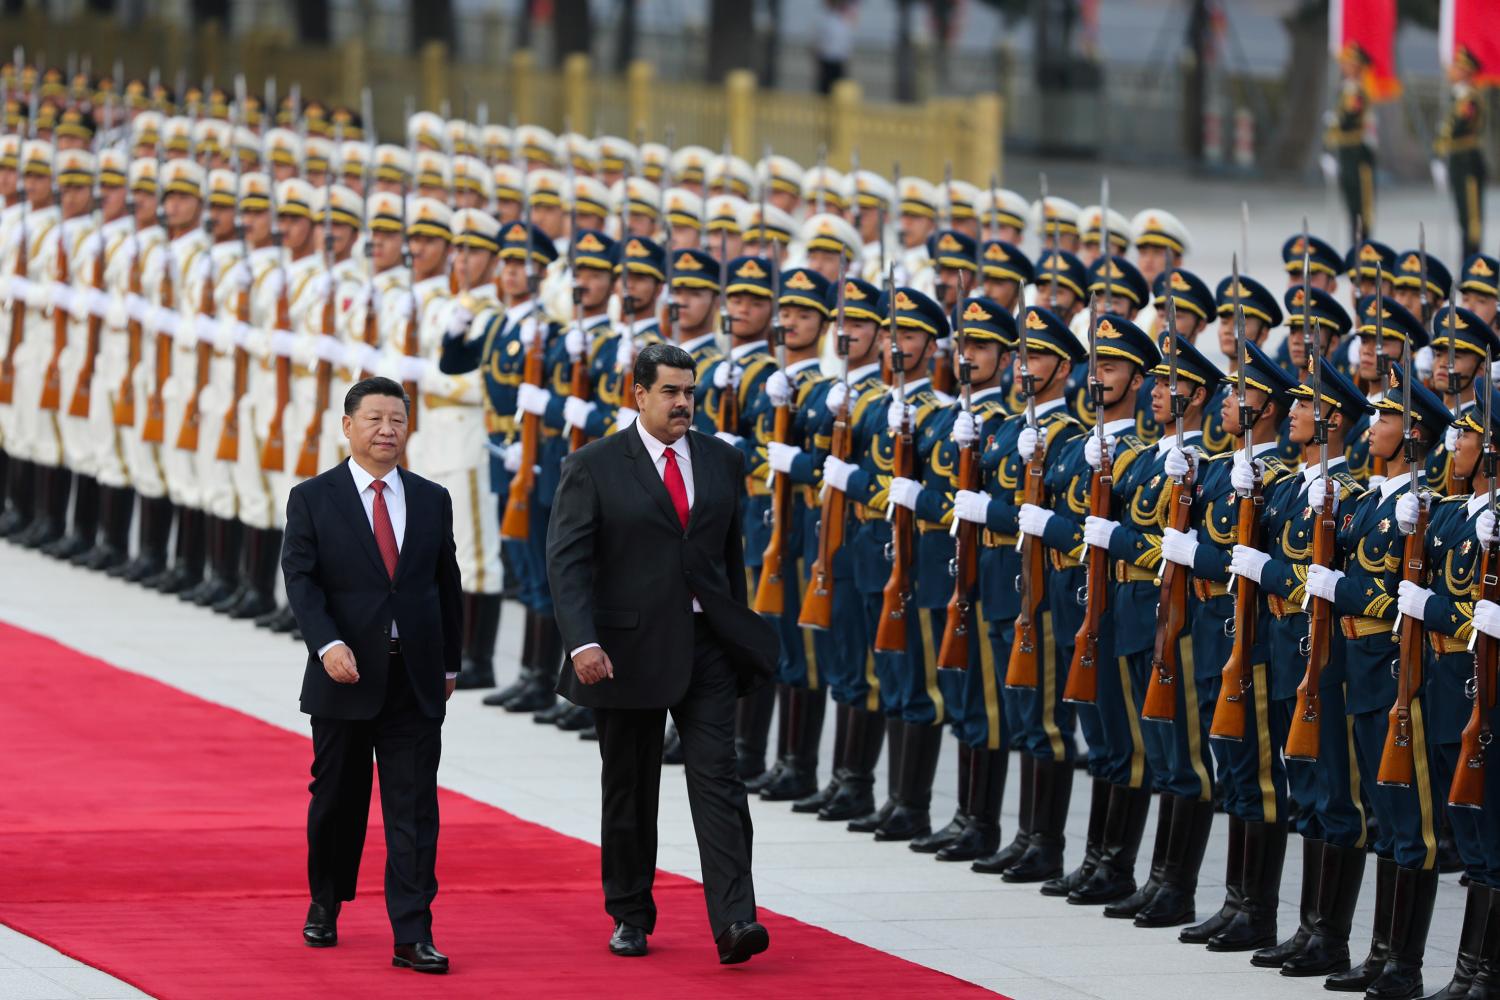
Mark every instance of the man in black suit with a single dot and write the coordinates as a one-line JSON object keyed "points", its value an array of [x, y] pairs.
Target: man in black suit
{"points": [[373, 580], [644, 555]]}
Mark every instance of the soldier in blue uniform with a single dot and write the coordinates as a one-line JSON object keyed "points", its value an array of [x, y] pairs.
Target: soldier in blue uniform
{"points": [[1248, 773], [1004, 273], [1479, 287], [844, 653], [1486, 619], [1262, 315], [1323, 267], [1460, 344], [1407, 287], [1380, 346], [1195, 307], [1123, 291], [1061, 283], [695, 287], [1368, 547], [914, 704], [1176, 751]]}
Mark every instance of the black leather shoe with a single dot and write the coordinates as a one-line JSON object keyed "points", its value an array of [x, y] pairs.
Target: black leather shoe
{"points": [[628, 940], [321, 929], [420, 957], [741, 941]]}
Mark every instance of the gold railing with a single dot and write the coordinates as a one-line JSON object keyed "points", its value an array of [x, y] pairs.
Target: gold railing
{"points": [[963, 131]]}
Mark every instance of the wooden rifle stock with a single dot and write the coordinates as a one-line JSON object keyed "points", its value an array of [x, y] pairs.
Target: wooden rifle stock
{"points": [[273, 450], [1467, 789], [578, 388], [52, 380], [1160, 703], [371, 336], [125, 395], [1397, 762], [1229, 711], [153, 428], [1083, 673], [890, 634], [1302, 737], [516, 524], [817, 602], [411, 346], [953, 654], [229, 430], [1021, 671], [770, 590], [729, 404], [83, 388], [192, 417], [17, 328], [307, 459]]}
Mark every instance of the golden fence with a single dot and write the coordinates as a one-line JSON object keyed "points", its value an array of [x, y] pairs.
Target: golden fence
{"points": [[966, 132]]}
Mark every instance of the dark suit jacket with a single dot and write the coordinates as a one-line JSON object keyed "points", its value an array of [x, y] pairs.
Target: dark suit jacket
{"points": [[338, 588], [624, 572]]}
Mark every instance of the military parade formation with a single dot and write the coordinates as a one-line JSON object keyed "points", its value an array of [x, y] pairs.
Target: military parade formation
{"points": [[1001, 494]]}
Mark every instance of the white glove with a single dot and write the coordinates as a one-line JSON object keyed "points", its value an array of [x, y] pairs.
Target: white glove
{"points": [[1375, 482], [898, 414], [1330, 167], [95, 245], [779, 389], [1487, 618], [401, 308], [1179, 546], [435, 383], [257, 342], [576, 411], [973, 507], [1411, 599], [1097, 531], [1422, 361], [577, 343], [1450, 438], [1321, 581], [201, 271], [305, 352], [137, 308], [240, 277], [730, 439], [222, 334], [273, 283], [62, 299], [1245, 473], [1091, 451], [965, 430], [459, 319], [1316, 491], [1247, 562], [781, 456], [836, 396], [532, 399], [836, 473], [318, 287], [1026, 443], [726, 374], [1439, 171], [1176, 463], [1407, 507], [1486, 527], [130, 249], [1032, 519], [512, 457], [624, 417], [904, 492], [528, 331]]}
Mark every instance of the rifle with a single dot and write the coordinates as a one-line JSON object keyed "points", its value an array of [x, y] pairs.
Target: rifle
{"points": [[83, 387], [229, 430], [1082, 687], [578, 385], [729, 400], [1467, 789], [1160, 704], [192, 417], [669, 315], [953, 653], [153, 428], [516, 524], [817, 602], [52, 380], [17, 312], [1229, 712], [371, 333], [890, 635], [1453, 485], [1377, 463], [1021, 670], [125, 395], [942, 367], [1302, 735]]}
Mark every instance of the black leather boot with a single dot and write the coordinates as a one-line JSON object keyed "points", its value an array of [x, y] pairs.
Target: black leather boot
{"points": [[527, 662], [480, 658], [151, 542], [855, 796], [1234, 897], [1357, 979], [1124, 825], [1312, 874], [1470, 945], [53, 484], [1127, 908], [799, 778], [894, 730], [189, 553], [244, 568], [783, 741], [1340, 872], [1255, 925], [820, 798], [541, 693], [116, 510], [1093, 843], [84, 527], [941, 838], [912, 816], [1411, 918], [20, 497], [1486, 985], [981, 834], [1175, 902], [215, 545], [262, 558], [225, 563], [752, 728], [995, 864], [1051, 794]]}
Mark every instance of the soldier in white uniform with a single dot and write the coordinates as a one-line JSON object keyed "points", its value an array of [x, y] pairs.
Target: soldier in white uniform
{"points": [[916, 221]]}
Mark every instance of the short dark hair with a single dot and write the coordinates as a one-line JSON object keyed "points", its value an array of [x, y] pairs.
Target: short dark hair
{"points": [[375, 385], [656, 356]]}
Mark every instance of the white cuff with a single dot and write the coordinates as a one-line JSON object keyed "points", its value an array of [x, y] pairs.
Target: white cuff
{"points": [[587, 645], [325, 648]]}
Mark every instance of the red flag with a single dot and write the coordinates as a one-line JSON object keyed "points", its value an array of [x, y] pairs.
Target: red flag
{"points": [[1371, 25], [1473, 25]]}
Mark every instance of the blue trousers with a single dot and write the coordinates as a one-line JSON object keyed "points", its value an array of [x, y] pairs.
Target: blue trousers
{"points": [[1408, 816]]}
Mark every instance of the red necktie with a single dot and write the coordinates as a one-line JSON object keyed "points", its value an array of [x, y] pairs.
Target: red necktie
{"points": [[385, 535], [676, 488]]}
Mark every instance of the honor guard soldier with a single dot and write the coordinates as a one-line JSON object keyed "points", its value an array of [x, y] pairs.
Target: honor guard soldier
{"points": [[1003, 214], [725, 214], [1408, 289], [1004, 274], [1347, 140], [1056, 222], [1324, 264], [695, 291], [685, 210], [640, 271], [1479, 287], [916, 221], [1122, 291], [1461, 343], [1383, 329], [871, 197], [1060, 282], [915, 702], [1368, 546], [1161, 241], [1194, 302], [784, 175], [1458, 146], [1091, 226], [1262, 314]]}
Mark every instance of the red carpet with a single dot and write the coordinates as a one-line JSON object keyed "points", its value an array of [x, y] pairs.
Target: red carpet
{"points": [[161, 838]]}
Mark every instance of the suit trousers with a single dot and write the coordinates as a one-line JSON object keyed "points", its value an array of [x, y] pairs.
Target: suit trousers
{"points": [[406, 745], [630, 743]]}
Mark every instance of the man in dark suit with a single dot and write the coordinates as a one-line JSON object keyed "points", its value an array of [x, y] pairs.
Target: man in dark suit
{"points": [[373, 580], [644, 555]]}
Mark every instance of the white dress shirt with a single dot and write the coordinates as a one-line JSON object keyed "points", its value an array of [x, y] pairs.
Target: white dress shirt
{"points": [[395, 506], [656, 449]]}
